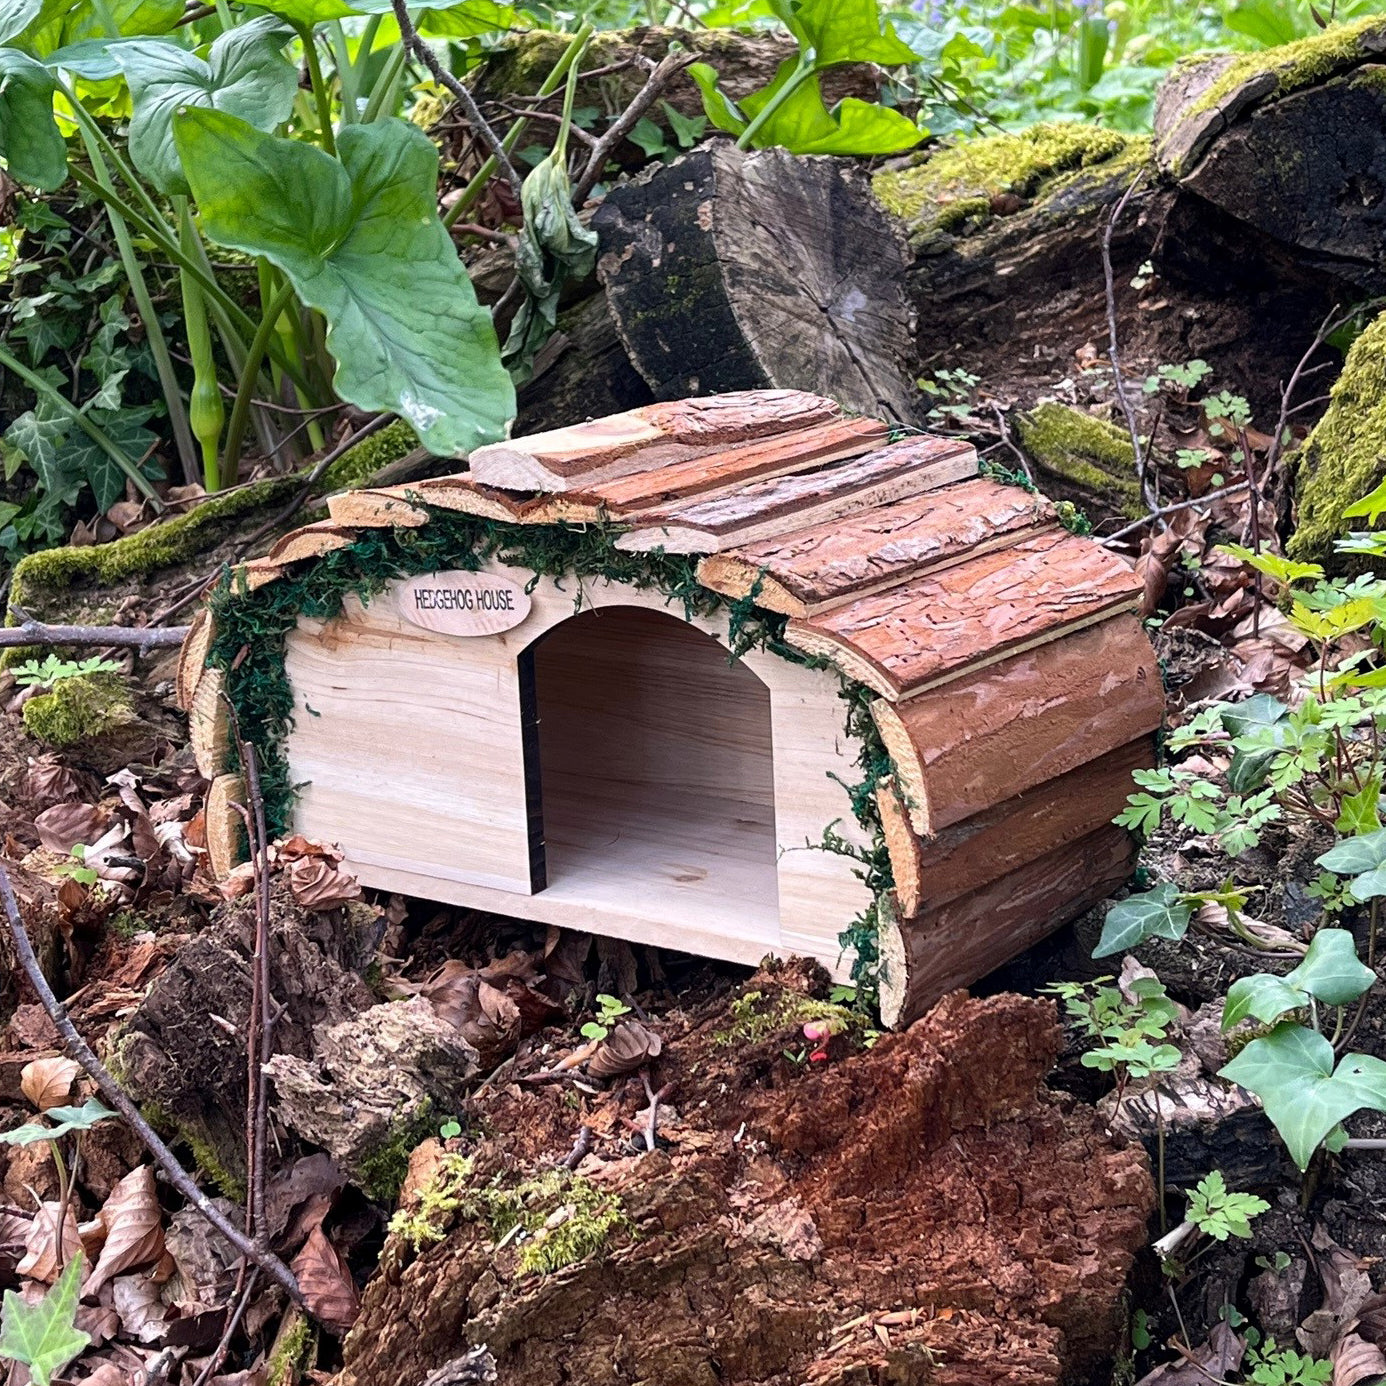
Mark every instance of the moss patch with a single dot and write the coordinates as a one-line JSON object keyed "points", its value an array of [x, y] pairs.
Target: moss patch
{"points": [[293, 1352], [947, 190], [1087, 452], [754, 1018], [1345, 456], [79, 709], [383, 1171]]}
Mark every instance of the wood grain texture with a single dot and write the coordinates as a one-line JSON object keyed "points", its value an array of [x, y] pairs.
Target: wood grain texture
{"points": [[382, 509], [966, 746], [256, 573], [814, 568], [434, 802], [786, 504], [904, 845], [192, 657], [939, 626], [728, 269], [224, 826], [209, 727], [311, 541], [925, 957], [654, 435]]}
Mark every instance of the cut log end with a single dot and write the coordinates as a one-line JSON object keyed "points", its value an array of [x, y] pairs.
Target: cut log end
{"points": [[311, 541], [225, 827], [903, 844], [192, 657], [209, 729]]}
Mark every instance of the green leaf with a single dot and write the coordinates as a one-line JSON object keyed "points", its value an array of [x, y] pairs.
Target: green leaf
{"points": [[42, 1335], [721, 110], [1159, 913], [1264, 996], [1359, 814], [649, 137], [1331, 971], [360, 240], [1355, 855], [103, 19], [307, 14], [1283, 570], [1260, 710], [30, 142], [39, 434], [1372, 505], [844, 31], [688, 130], [803, 124], [1291, 1071], [81, 456], [16, 16], [245, 73], [1220, 1214], [60, 1121]]}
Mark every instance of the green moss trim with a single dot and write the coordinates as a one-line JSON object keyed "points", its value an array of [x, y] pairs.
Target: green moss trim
{"points": [[1295, 66], [1345, 456], [78, 709], [383, 1171], [946, 190], [1088, 452]]}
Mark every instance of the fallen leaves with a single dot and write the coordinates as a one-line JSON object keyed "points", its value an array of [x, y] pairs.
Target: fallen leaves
{"points": [[48, 1082], [133, 1224], [324, 1278], [627, 1049]]}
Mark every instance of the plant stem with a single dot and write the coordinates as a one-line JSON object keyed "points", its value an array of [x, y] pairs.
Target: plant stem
{"points": [[98, 435], [245, 392], [382, 93], [78, 1049], [320, 92], [797, 78]]}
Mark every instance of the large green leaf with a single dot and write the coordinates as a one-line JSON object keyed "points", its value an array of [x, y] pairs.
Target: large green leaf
{"points": [[1291, 1071], [16, 16], [30, 142], [1260, 710], [360, 240], [1264, 996], [305, 14], [844, 31], [1331, 971], [1363, 859], [245, 73], [463, 19], [109, 19], [1159, 913], [42, 1336]]}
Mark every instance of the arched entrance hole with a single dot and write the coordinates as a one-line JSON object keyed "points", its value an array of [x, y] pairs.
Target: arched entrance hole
{"points": [[650, 771]]}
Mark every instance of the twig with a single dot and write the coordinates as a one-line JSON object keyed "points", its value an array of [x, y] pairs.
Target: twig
{"points": [[665, 71], [232, 1324], [1170, 510], [1114, 350], [464, 98], [553, 118], [582, 1148], [1009, 442], [78, 1049], [31, 632], [654, 1098]]}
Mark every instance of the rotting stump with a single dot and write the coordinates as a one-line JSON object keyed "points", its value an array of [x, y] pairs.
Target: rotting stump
{"points": [[510, 688]]}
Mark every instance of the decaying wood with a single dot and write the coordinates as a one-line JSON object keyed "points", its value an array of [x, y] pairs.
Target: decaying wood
{"points": [[730, 268], [209, 729], [655, 435], [943, 625], [787, 504], [385, 509], [964, 747], [311, 541], [224, 826], [924, 958], [843, 558], [192, 657]]}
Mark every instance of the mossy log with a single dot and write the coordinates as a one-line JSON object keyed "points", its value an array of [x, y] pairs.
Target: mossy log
{"points": [[1291, 142]]}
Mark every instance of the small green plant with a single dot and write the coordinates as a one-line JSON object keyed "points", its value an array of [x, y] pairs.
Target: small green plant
{"points": [[687, 131], [609, 1010], [952, 392], [450, 1128], [50, 670], [1183, 378], [1276, 1264], [1219, 1214], [1268, 1365], [44, 1337], [78, 871]]}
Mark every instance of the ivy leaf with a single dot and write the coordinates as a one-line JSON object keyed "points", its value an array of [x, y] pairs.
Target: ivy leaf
{"points": [[1331, 971], [1372, 505], [80, 456], [30, 142], [360, 240], [39, 434], [1260, 710], [1159, 913], [1359, 813], [42, 1335], [1291, 1071], [1263, 995], [245, 73], [1362, 858]]}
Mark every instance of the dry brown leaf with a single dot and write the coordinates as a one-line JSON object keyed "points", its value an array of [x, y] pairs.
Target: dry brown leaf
{"points": [[328, 1289], [319, 884], [1215, 1360], [63, 826], [41, 1245], [629, 1047], [50, 782], [134, 1228], [484, 1014], [1355, 1360], [108, 1374], [48, 1082], [142, 1312]]}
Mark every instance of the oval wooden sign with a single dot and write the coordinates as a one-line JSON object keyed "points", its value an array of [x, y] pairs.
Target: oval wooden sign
{"points": [[462, 603]]}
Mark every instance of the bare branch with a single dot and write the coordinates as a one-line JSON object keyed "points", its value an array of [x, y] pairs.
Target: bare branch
{"points": [[32, 632], [1171, 509]]}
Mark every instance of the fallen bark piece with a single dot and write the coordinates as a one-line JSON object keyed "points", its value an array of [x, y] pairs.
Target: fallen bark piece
{"points": [[311, 541], [767, 508], [370, 1079], [833, 1238], [729, 269], [809, 570], [973, 743], [654, 435], [381, 509], [940, 626]]}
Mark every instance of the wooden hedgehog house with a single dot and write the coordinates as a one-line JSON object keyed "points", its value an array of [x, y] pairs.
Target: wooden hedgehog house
{"points": [[735, 675]]}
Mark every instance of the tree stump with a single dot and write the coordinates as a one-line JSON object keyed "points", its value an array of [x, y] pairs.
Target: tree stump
{"points": [[728, 270]]}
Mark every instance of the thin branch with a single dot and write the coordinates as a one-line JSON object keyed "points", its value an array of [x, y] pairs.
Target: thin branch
{"points": [[665, 71], [464, 98], [78, 1050], [1009, 442], [553, 118], [31, 632], [1170, 510], [1114, 350]]}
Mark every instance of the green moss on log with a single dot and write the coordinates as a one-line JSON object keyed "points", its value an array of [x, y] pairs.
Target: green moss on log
{"points": [[1089, 453], [1345, 456], [79, 709], [944, 191]]}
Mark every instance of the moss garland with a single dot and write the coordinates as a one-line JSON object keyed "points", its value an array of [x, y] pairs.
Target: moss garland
{"points": [[252, 630]]}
